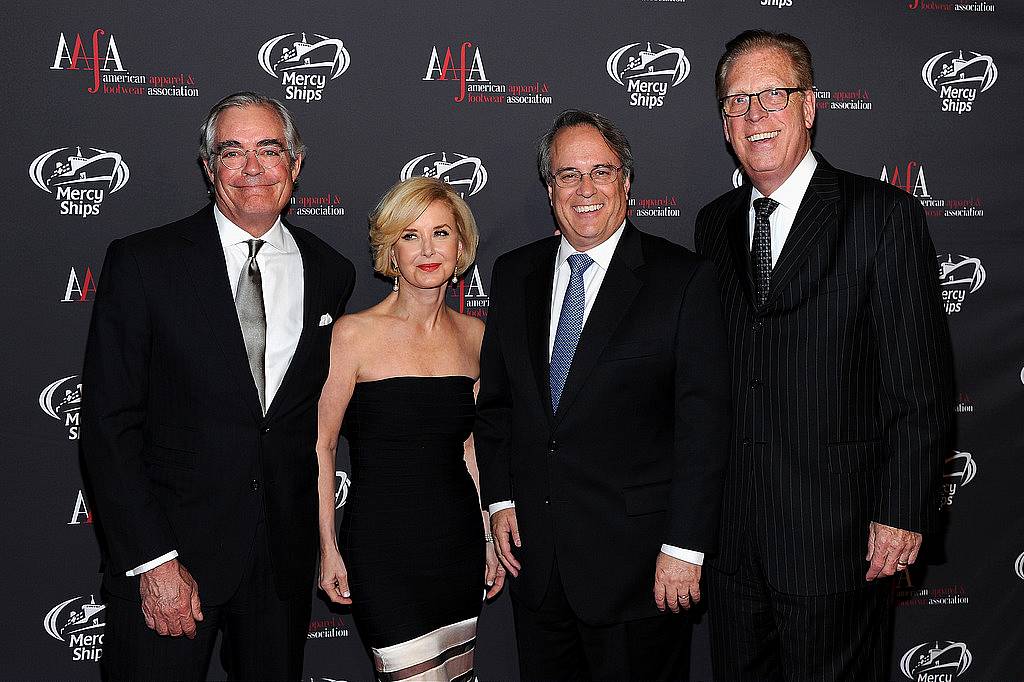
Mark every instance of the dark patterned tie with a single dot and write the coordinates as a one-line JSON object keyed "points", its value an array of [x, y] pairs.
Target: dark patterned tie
{"points": [[570, 325], [761, 251], [252, 316]]}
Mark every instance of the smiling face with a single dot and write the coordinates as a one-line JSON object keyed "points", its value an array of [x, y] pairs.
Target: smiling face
{"points": [[252, 196], [586, 214], [427, 251], [769, 145]]}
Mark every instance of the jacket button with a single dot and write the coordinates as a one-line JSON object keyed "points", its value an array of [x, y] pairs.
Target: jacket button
{"points": [[552, 445], [255, 485], [755, 383], [266, 430], [757, 326], [547, 501], [746, 442]]}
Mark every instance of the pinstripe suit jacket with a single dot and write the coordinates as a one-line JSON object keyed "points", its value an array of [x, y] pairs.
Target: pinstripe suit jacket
{"points": [[841, 382]]}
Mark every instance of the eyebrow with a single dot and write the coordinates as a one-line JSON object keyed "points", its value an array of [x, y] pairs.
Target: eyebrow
{"points": [[221, 146], [574, 168]]}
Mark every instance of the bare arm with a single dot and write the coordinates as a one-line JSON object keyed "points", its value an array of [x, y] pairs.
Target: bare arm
{"points": [[334, 399]]}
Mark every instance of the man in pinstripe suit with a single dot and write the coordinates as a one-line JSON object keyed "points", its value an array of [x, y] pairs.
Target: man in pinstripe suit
{"points": [[841, 378]]}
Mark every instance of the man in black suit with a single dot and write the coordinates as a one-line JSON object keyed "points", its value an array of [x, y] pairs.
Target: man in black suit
{"points": [[602, 424], [206, 355], [840, 384]]}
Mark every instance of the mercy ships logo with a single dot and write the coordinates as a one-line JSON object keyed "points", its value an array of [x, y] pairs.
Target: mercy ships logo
{"points": [[958, 80], [464, 173], [79, 181], [648, 73], [304, 66], [79, 624]]}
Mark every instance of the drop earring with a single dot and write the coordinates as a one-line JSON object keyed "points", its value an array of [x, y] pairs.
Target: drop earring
{"points": [[395, 288], [455, 276]]}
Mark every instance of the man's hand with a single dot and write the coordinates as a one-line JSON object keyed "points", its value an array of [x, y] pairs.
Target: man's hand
{"points": [[505, 529], [494, 572], [676, 583], [890, 550], [170, 600]]}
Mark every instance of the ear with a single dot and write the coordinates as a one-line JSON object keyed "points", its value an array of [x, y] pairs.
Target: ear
{"points": [[209, 171], [809, 106], [625, 183], [296, 167], [725, 128], [551, 190]]}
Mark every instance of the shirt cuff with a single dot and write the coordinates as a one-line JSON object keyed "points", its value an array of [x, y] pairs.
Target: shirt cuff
{"points": [[498, 506], [687, 555], [149, 565]]}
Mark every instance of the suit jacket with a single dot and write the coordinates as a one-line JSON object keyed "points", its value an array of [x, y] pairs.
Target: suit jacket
{"points": [[176, 449], [635, 455], [841, 382]]}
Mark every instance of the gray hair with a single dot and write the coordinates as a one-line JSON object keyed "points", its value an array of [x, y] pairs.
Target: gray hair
{"points": [[759, 39], [569, 118], [208, 131]]}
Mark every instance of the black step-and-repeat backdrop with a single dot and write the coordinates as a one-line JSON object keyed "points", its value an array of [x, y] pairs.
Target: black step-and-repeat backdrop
{"points": [[106, 99]]}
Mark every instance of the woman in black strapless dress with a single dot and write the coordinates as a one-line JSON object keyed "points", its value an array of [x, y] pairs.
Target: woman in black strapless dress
{"points": [[412, 556]]}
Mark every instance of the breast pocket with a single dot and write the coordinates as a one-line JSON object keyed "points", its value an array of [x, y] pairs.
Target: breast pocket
{"points": [[174, 446], [629, 351], [835, 282]]}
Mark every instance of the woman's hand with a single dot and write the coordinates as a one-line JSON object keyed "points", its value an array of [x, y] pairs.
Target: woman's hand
{"points": [[494, 572], [334, 577]]}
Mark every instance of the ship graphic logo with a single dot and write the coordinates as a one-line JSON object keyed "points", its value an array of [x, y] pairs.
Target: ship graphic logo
{"points": [[936, 658], [466, 174], [973, 69], [61, 398], [1018, 566], [290, 53], [74, 616], [656, 60], [341, 491], [961, 468], [93, 169], [738, 178], [964, 272]]}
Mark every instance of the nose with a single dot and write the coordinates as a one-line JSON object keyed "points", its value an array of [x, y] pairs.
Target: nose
{"points": [[427, 246], [586, 187], [755, 112], [252, 165]]}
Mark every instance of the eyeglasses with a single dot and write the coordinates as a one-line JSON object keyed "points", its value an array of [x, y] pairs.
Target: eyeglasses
{"points": [[772, 99], [234, 158], [599, 175]]}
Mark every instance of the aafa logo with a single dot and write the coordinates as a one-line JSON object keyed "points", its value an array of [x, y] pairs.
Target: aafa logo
{"points": [[938, 661], [62, 400], [461, 71], [80, 514], [958, 278], [913, 181], [468, 296], [465, 173], [79, 58], [304, 67], [79, 623], [648, 73], [958, 80], [78, 288], [960, 469], [79, 181]]}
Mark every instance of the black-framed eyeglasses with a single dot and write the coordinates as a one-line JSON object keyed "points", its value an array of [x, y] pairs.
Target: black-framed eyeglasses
{"points": [[270, 156], [599, 175], [772, 99]]}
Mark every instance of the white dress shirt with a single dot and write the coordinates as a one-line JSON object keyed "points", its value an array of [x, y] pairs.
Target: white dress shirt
{"points": [[592, 279], [282, 275], [789, 195]]}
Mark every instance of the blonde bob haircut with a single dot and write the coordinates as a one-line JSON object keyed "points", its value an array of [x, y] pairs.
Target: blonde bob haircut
{"points": [[403, 204]]}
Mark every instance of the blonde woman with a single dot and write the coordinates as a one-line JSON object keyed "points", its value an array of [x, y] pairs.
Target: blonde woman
{"points": [[414, 558]]}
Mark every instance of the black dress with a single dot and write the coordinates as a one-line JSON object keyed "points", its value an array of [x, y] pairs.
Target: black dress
{"points": [[412, 536]]}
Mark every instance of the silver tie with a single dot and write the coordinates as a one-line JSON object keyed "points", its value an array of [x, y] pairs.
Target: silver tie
{"points": [[252, 316]]}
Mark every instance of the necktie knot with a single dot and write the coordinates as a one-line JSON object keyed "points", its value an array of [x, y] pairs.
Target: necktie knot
{"points": [[579, 262], [764, 207], [254, 246]]}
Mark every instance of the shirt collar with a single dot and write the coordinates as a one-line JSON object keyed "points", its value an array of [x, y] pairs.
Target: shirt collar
{"points": [[602, 253], [791, 192], [231, 234]]}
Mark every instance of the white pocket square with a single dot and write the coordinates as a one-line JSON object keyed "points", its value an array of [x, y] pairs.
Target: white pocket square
{"points": [[325, 320]]}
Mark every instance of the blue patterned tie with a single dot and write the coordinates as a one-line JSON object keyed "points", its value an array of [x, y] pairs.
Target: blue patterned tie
{"points": [[570, 325]]}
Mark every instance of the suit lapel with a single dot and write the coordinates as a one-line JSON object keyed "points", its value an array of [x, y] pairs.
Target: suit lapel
{"points": [[619, 288], [816, 217], [312, 305], [203, 257], [737, 232], [538, 320]]}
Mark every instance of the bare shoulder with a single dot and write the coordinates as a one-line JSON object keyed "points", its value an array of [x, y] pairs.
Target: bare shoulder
{"points": [[470, 328]]}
